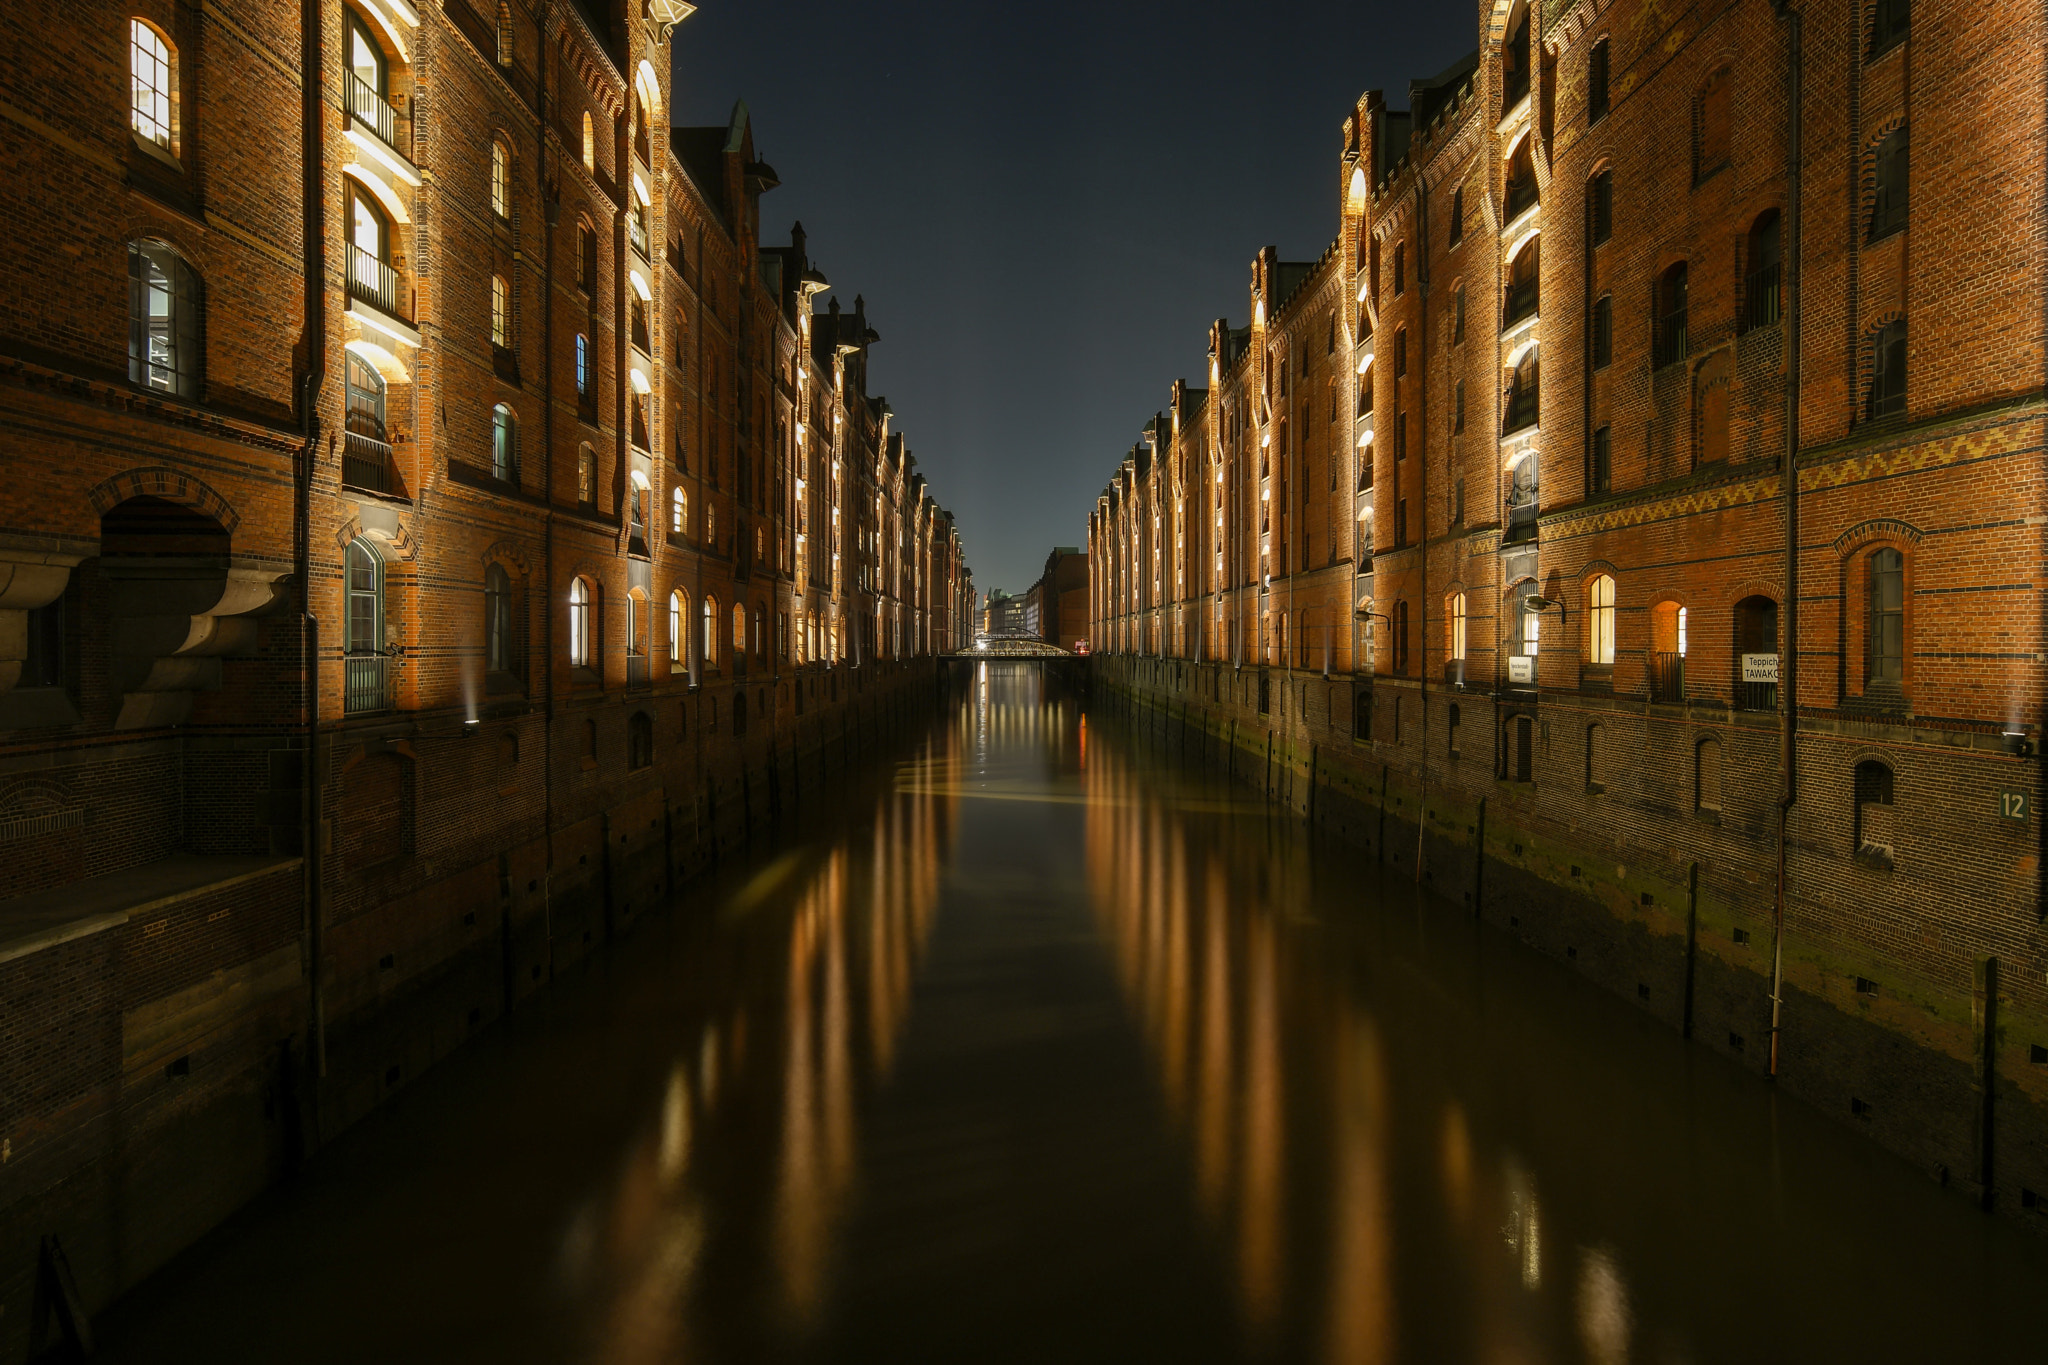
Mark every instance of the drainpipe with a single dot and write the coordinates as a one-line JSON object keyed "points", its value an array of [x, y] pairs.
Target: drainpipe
{"points": [[1422, 491], [313, 160], [551, 215], [1788, 668]]}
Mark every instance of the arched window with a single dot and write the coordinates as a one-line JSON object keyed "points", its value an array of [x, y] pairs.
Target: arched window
{"points": [[1887, 371], [1600, 620], [501, 180], [1401, 638], [1756, 654], [1600, 207], [678, 510], [498, 657], [1711, 126], [504, 33], [582, 368], [1521, 183], [1667, 652], [710, 526], [370, 276], [1671, 305], [1889, 174], [1761, 292], [1873, 832], [639, 740], [1596, 83], [1400, 287], [739, 630], [369, 81], [678, 619], [586, 257], [1524, 280], [1885, 651], [1596, 759], [638, 623], [586, 476], [759, 633], [1522, 394], [153, 86], [501, 312], [165, 310], [710, 649], [1706, 782], [589, 143], [504, 444], [1890, 20], [366, 682], [1454, 635], [365, 397], [1514, 62], [579, 623], [641, 495]]}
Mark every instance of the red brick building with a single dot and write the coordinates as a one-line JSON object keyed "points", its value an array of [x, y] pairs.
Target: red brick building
{"points": [[420, 548], [1684, 508]]}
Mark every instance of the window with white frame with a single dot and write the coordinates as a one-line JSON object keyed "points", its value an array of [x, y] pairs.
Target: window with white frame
{"points": [[153, 86]]}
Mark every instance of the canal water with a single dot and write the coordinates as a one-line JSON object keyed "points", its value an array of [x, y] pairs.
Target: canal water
{"points": [[1044, 1047]]}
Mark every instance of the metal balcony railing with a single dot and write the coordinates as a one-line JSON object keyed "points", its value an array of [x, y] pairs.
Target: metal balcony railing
{"points": [[1667, 677], [1522, 300], [365, 462], [1756, 696], [367, 104], [367, 685], [373, 281], [1521, 521], [636, 232]]}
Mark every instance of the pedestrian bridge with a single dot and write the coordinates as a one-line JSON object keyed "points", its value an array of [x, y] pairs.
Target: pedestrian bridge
{"points": [[1011, 647]]}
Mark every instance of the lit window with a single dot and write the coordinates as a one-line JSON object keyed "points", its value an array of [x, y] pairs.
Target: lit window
{"points": [[678, 614], [579, 624], [589, 143], [501, 181], [1600, 621], [1457, 623], [586, 477], [498, 619], [504, 444], [501, 311], [504, 33], [679, 510], [154, 91], [711, 632], [582, 366]]}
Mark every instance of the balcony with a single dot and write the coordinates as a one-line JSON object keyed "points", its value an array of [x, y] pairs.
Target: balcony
{"points": [[365, 462], [1521, 522], [367, 105], [366, 685], [1752, 696], [373, 281], [1667, 678], [636, 670]]}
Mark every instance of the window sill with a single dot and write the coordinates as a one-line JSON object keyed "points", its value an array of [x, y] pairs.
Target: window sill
{"points": [[582, 675], [156, 152], [1708, 814]]}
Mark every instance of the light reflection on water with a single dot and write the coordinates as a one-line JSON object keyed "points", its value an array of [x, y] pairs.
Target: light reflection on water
{"points": [[1041, 1047]]}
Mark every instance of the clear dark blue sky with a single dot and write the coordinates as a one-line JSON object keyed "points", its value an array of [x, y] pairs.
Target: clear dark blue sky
{"points": [[1046, 203]]}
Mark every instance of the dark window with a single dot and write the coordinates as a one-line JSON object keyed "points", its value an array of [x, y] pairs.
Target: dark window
{"points": [[1596, 83], [1524, 280], [1889, 22], [1888, 198], [1602, 460], [1603, 207], [586, 258], [1671, 303], [1402, 528], [164, 311], [1603, 332], [1887, 617], [1458, 316], [640, 740], [1401, 352], [1873, 784], [1401, 620], [1525, 745], [1522, 395], [1400, 268], [1760, 286], [1521, 186], [44, 664], [1400, 435], [1514, 64], [1458, 406], [498, 620], [1888, 371], [1457, 215]]}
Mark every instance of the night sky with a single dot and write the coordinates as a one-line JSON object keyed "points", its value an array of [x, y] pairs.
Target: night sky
{"points": [[1046, 204]]}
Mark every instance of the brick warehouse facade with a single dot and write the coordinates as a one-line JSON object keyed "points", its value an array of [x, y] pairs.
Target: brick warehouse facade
{"points": [[468, 445], [1546, 631]]}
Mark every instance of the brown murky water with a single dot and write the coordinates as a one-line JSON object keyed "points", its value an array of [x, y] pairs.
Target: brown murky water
{"points": [[1045, 1049]]}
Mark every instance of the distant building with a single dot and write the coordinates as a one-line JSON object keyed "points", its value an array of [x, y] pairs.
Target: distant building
{"points": [[1003, 614], [1056, 606]]}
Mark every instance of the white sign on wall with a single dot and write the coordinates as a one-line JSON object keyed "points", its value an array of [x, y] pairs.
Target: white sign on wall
{"points": [[1759, 668], [1522, 668]]}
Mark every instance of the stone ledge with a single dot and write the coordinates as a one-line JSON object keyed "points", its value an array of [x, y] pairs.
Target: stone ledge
{"points": [[30, 924]]}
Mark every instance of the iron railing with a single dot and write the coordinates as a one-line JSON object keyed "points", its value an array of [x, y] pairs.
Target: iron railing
{"points": [[1522, 521], [368, 105], [1667, 677], [1751, 696], [636, 232], [1671, 346], [367, 685], [1521, 302], [365, 462], [373, 280], [1760, 296]]}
